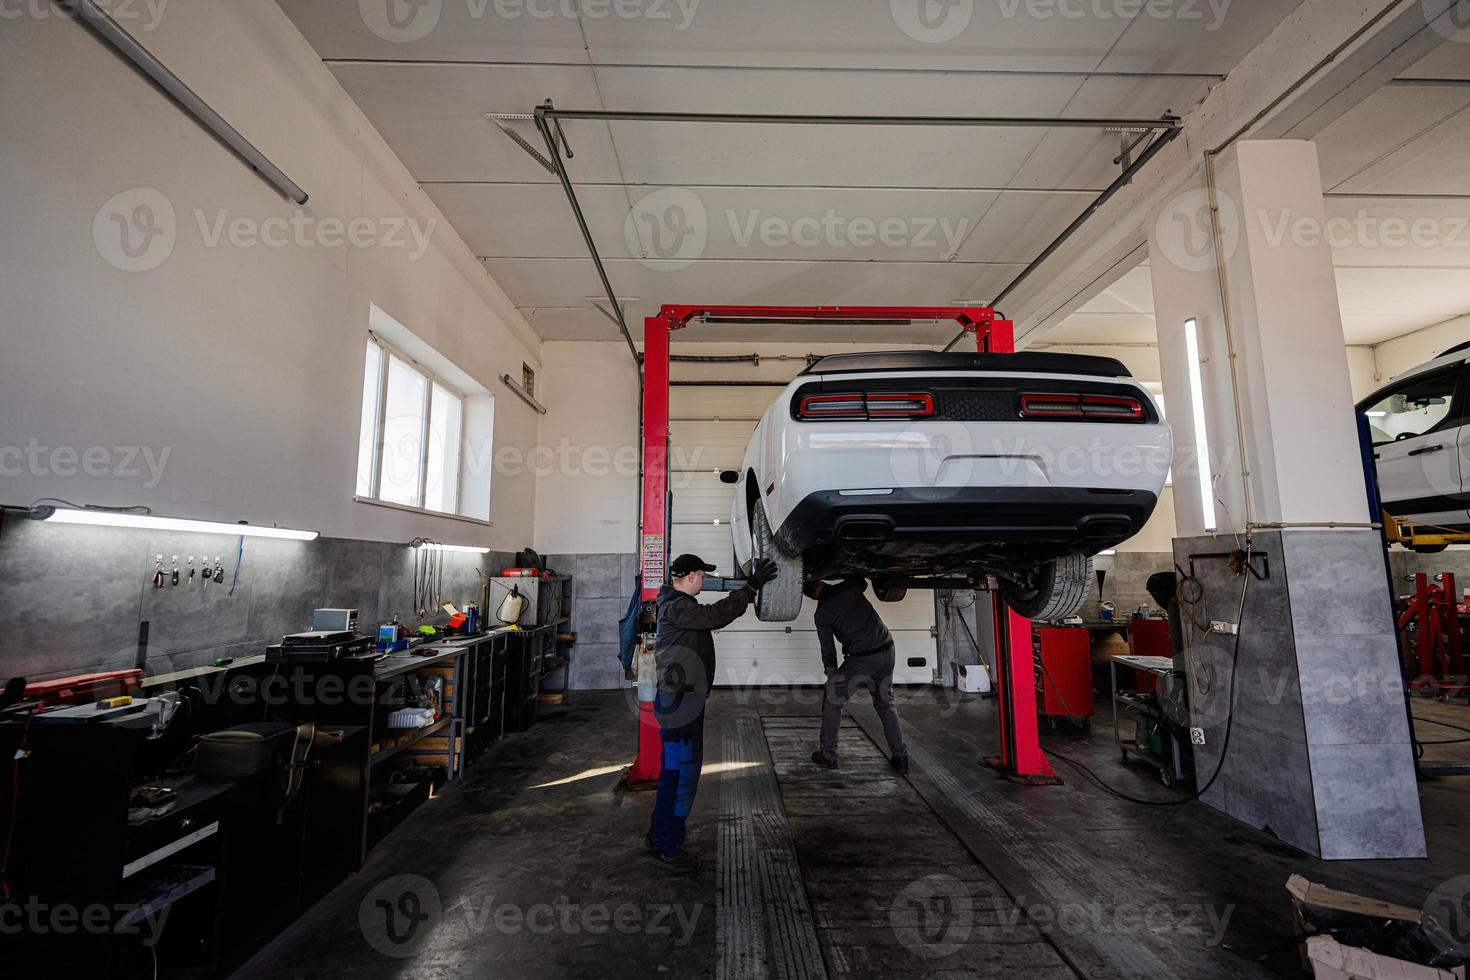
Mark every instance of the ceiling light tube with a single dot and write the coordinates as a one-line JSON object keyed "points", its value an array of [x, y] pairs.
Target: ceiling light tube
{"points": [[111, 32], [470, 549], [148, 522], [1201, 431]]}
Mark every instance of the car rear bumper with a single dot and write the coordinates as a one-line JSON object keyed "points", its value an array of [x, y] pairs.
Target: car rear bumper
{"points": [[1060, 519]]}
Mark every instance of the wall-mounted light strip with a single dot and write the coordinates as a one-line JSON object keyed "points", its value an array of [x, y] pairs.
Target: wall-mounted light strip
{"points": [[450, 547], [1201, 431], [128, 46], [525, 395], [110, 518]]}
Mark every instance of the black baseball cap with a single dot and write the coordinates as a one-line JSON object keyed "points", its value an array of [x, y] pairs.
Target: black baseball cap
{"points": [[685, 564]]}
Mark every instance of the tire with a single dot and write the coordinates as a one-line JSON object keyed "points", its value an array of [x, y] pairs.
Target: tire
{"points": [[780, 600], [1429, 549], [1058, 589]]}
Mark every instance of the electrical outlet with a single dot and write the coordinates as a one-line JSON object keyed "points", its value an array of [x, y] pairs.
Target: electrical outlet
{"points": [[1222, 627], [1197, 736]]}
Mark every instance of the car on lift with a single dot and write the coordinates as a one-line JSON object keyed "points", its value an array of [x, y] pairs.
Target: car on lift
{"points": [[929, 469], [1419, 424]]}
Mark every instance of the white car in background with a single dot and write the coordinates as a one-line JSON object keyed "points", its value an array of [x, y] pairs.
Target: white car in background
{"points": [[933, 470], [1420, 427]]}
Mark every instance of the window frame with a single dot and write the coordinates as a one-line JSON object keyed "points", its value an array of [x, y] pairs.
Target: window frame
{"points": [[431, 378], [1454, 417]]}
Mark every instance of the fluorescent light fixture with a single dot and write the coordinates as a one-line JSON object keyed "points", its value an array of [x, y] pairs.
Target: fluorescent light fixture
{"points": [[112, 518], [1109, 551], [1376, 415], [525, 395], [128, 46], [470, 549], [1201, 432]]}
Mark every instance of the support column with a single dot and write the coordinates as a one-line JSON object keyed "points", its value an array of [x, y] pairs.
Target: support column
{"points": [[1309, 693]]}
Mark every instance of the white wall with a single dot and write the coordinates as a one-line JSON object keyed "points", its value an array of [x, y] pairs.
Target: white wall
{"points": [[1396, 356], [243, 362], [586, 504], [1362, 370]]}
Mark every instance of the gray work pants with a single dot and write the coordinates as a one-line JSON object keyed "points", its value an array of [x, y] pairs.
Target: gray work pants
{"points": [[873, 671]]}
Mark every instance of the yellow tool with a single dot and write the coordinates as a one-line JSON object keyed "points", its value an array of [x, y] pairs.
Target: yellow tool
{"points": [[117, 702]]}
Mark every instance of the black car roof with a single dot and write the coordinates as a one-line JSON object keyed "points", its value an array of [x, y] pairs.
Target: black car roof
{"points": [[1028, 362]]}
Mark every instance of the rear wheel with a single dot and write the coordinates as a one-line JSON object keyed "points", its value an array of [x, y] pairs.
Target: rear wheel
{"points": [[780, 600], [1056, 591]]}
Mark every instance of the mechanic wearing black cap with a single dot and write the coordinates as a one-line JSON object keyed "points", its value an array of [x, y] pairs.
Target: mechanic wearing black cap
{"points": [[685, 651]]}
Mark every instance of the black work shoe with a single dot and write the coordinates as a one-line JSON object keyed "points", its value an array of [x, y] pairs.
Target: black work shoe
{"points": [[820, 758], [677, 862], [901, 763]]}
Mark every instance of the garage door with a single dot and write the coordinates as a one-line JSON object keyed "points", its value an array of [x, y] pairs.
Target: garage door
{"points": [[709, 427]]}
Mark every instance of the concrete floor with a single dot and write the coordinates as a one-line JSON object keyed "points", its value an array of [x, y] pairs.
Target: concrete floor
{"points": [[535, 866]]}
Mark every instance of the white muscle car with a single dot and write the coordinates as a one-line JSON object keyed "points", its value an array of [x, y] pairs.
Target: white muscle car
{"points": [[925, 469]]}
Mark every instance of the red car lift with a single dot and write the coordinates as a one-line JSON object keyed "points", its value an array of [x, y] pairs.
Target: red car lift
{"points": [[1020, 756], [1433, 611]]}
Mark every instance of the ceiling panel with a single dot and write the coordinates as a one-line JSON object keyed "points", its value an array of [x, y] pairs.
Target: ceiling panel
{"points": [[1378, 232], [532, 220], [437, 30], [775, 214], [1194, 35], [1450, 60], [1363, 327], [852, 33], [590, 325], [1104, 328], [1432, 295], [1389, 129], [1434, 162], [568, 282], [433, 117], [852, 156]]}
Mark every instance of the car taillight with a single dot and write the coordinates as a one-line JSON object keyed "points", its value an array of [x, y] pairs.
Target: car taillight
{"points": [[1087, 408], [833, 407], [900, 405], [867, 405]]}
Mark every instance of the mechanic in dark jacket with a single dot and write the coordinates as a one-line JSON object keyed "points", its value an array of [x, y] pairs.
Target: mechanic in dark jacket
{"points": [[845, 614], [685, 651]]}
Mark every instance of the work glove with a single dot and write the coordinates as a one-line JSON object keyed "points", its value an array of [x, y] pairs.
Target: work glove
{"points": [[763, 572]]}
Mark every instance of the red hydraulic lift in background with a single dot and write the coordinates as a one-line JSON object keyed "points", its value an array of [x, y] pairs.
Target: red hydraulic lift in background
{"points": [[1020, 756]]}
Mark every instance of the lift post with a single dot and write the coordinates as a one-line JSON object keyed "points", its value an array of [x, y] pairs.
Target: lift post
{"points": [[1021, 757]]}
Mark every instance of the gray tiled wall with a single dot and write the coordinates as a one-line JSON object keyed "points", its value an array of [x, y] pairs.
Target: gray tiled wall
{"points": [[72, 598], [602, 586], [1319, 747]]}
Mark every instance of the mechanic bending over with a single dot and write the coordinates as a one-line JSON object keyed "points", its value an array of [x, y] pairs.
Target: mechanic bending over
{"points": [[868, 656], [685, 652]]}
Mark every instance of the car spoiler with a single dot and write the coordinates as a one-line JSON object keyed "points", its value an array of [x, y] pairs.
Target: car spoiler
{"points": [[1023, 362]]}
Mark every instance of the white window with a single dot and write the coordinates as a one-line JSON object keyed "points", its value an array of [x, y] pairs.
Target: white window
{"points": [[412, 426]]}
